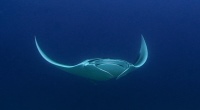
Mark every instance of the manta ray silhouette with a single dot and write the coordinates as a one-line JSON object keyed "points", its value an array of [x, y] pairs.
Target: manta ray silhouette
{"points": [[101, 69]]}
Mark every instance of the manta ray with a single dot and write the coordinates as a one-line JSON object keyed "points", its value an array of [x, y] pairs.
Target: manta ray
{"points": [[99, 69]]}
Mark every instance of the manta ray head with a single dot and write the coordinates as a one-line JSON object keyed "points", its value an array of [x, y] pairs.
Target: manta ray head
{"points": [[113, 67]]}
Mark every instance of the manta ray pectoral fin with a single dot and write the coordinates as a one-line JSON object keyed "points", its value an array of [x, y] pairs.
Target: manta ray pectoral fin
{"points": [[143, 55], [48, 59]]}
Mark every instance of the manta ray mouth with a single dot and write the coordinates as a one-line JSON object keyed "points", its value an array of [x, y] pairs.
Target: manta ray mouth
{"points": [[100, 62]]}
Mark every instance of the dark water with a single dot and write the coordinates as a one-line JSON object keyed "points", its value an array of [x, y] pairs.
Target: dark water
{"points": [[74, 30]]}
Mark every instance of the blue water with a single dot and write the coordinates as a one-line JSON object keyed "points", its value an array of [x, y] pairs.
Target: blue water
{"points": [[71, 31]]}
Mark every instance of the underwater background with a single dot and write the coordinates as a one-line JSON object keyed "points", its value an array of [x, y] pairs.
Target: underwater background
{"points": [[70, 31]]}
